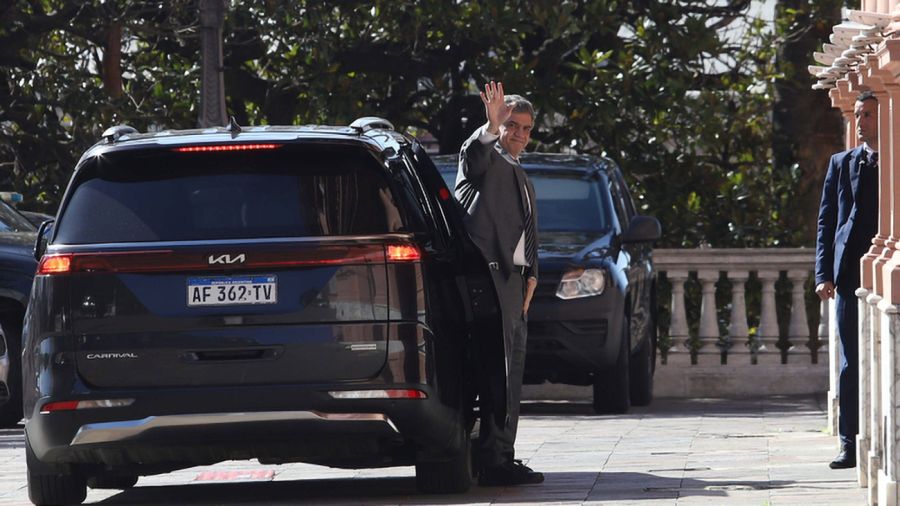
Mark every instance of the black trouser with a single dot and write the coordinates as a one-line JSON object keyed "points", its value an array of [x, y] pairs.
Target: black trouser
{"points": [[846, 317], [497, 439]]}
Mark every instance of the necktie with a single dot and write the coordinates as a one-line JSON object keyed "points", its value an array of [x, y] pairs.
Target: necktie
{"points": [[874, 160], [530, 243]]}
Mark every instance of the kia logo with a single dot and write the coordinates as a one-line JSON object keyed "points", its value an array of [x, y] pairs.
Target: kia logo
{"points": [[227, 259]]}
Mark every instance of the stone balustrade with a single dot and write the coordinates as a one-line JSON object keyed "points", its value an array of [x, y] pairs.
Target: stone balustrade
{"points": [[726, 360]]}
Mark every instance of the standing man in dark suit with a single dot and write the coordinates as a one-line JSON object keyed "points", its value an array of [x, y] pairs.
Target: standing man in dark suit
{"points": [[848, 219], [502, 221]]}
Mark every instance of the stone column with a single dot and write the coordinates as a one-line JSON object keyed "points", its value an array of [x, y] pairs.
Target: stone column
{"points": [[679, 353], [888, 59], [827, 338], [798, 328], [709, 353], [739, 349], [889, 474], [873, 262], [767, 333], [872, 323], [864, 408]]}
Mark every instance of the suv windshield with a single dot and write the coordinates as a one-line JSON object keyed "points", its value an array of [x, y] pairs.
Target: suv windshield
{"points": [[292, 191], [570, 203], [12, 221]]}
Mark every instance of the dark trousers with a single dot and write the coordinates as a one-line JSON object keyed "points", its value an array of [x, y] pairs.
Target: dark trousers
{"points": [[497, 437], [846, 317]]}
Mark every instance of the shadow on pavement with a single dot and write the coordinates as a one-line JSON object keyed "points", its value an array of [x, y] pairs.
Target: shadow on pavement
{"points": [[559, 486], [687, 408]]}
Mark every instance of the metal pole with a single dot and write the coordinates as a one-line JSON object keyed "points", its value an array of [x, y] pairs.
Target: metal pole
{"points": [[212, 85]]}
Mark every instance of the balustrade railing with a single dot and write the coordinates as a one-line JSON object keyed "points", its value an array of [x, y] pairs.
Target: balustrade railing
{"points": [[706, 357]]}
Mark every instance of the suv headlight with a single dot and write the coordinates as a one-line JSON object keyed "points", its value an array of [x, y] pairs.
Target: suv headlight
{"points": [[581, 283]]}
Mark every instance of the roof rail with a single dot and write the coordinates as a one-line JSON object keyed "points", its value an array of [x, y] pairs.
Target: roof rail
{"points": [[367, 123], [113, 133]]}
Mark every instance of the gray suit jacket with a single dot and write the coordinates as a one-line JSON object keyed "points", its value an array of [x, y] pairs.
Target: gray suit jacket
{"points": [[489, 184]]}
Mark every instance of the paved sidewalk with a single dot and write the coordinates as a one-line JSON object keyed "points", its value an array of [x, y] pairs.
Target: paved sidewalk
{"points": [[676, 452]]}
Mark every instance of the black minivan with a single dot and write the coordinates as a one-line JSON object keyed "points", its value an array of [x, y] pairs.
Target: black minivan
{"points": [[279, 293]]}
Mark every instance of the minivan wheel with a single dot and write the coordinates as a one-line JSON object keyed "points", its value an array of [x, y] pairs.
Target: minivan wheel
{"points": [[612, 389], [449, 477], [46, 487], [11, 410], [112, 481]]}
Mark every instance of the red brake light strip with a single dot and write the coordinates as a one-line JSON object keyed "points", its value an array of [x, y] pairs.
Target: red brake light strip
{"points": [[224, 147], [168, 260]]}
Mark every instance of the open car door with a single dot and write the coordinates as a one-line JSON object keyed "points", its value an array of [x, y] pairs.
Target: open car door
{"points": [[476, 288]]}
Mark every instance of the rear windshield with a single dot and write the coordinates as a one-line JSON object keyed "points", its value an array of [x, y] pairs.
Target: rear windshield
{"points": [[292, 191]]}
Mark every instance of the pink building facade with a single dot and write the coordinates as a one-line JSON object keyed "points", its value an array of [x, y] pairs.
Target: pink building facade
{"points": [[863, 54]]}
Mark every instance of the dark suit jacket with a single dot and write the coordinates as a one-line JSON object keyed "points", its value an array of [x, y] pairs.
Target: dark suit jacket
{"points": [[837, 220], [489, 187]]}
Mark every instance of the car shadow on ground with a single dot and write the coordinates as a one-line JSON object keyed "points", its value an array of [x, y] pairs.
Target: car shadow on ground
{"points": [[687, 408], [558, 487]]}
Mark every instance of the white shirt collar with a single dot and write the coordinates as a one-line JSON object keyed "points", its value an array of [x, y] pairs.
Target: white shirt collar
{"points": [[868, 149]]}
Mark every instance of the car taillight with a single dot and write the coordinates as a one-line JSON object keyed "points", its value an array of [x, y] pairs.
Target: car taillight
{"points": [[55, 264], [50, 407], [394, 393], [218, 148], [403, 253]]}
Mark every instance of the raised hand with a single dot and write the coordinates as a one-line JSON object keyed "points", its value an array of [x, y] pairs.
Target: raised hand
{"points": [[495, 108]]}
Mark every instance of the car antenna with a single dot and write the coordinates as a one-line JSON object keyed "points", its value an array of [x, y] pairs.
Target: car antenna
{"points": [[233, 127]]}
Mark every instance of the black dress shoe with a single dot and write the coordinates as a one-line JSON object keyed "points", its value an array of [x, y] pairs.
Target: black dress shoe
{"points": [[845, 460], [510, 473]]}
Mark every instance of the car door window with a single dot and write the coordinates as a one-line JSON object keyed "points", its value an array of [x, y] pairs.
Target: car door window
{"points": [[618, 204], [626, 196]]}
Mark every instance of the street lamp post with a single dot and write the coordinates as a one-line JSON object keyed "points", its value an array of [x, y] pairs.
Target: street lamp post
{"points": [[212, 84]]}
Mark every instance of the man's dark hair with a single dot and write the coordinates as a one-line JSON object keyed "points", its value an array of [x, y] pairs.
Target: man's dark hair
{"points": [[520, 104], [866, 95]]}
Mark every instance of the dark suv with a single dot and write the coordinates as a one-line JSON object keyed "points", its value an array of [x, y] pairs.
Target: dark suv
{"points": [[593, 318], [17, 265], [279, 293]]}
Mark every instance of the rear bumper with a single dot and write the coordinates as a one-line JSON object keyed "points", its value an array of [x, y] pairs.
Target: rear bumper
{"points": [[161, 432], [159, 427], [167, 428]]}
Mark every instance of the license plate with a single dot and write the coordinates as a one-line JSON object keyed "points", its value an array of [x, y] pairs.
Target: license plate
{"points": [[232, 290]]}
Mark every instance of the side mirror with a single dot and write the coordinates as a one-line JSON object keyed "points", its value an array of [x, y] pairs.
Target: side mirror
{"points": [[642, 229], [43, 237]]}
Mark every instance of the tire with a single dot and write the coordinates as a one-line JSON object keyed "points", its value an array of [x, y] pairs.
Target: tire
{"points": [[612, 388], [11, 410], [642, 372], [106, 481], [46, 486], [449, 477]]}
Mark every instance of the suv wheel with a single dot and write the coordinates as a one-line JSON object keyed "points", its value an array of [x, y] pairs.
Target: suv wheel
{"points": [[612, 389], [112, 481], [46, 486], [642, 372], [11, 410], [450, 477]]}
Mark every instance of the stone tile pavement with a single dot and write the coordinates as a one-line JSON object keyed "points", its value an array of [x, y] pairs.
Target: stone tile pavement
{"points": [[766, 451]]}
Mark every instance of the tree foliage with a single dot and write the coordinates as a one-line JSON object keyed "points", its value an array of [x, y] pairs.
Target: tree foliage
{"points": [[660, 86]]}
